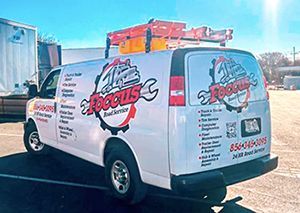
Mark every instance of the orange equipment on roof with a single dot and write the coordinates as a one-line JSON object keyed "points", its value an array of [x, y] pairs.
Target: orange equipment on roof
{"points": [[161, 35]]}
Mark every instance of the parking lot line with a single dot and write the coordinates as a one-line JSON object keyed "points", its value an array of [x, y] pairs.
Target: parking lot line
{"points": [[14, 135], [103, 188], [53, 182]]}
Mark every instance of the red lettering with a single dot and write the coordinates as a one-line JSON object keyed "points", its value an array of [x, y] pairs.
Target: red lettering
{"points": [[125, 98], [218, 92], [113, 100], [135, 93], [229, 90], [213, 93], [99, 104], [93, 99], [221, 93], [107, 102]]}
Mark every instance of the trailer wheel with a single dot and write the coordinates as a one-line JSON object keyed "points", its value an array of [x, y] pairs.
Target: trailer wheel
{"points": [[122, 176], [32, 141]]}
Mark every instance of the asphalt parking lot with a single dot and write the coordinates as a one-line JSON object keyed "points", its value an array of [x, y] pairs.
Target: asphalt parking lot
{"points": [[62, 183]]}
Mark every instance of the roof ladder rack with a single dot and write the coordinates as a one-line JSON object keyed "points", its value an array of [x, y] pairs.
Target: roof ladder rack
{"points": [[161, 35]]}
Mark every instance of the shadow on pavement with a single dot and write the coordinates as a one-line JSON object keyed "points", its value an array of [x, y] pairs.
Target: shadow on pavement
{"points": [[30, 196]]}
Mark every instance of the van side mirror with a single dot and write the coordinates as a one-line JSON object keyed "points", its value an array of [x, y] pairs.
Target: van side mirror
{"points": [[32, 91]]}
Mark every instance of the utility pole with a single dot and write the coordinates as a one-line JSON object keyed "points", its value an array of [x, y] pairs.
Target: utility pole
{"points": [[294, 55]]}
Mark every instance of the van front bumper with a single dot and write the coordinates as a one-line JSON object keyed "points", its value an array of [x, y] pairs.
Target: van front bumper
{"points": [[217, 178]]}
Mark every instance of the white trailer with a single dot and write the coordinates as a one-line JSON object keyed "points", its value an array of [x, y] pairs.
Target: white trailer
{"points": [[18, 64]]}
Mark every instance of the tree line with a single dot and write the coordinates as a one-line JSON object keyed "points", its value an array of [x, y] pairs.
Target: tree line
{"points": [[270, 61]]}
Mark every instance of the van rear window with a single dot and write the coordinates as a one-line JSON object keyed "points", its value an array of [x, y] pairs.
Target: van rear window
{"points": [[220, 76]]}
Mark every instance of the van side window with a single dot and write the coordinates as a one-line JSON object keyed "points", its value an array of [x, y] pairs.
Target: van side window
{"points": [[48, 89]]}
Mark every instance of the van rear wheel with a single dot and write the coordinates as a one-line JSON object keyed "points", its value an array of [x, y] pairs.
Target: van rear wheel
{"points": [[32, 141], [122, 176], [216, 195]]}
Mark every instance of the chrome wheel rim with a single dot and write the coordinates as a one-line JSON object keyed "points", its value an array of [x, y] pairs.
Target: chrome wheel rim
{"points": [[34, 141], [120, 177]]}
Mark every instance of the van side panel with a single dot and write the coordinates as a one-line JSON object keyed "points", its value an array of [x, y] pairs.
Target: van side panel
{"points": [[148, 130], [177, 134], [76, 132], [124, 97]]}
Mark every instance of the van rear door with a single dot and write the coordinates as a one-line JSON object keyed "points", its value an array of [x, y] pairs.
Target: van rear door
{"points": [[254, 119], [227, 110], [207, 117]]}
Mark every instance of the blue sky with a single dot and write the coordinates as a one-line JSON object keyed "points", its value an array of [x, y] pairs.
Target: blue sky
{"points": [[259, 25]]}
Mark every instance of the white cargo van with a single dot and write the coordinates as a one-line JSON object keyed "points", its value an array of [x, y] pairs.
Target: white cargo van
{"points": [[189, 120]]}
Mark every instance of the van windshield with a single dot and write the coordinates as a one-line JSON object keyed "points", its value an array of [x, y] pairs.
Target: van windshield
{"points": [[214, 76]]}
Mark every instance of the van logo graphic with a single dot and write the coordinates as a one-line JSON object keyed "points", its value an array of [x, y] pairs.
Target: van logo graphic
{"points": [[230, 85], [117, 89]]}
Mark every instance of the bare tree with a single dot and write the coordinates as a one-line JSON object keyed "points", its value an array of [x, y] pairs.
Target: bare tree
{"points": [[47, 38], [269, 62]]}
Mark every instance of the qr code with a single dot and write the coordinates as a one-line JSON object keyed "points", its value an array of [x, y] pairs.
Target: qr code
{"points": [[231, 130]]}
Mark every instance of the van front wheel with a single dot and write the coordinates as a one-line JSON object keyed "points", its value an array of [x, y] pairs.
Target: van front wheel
{"points": [[32, 141], [123, 178]]}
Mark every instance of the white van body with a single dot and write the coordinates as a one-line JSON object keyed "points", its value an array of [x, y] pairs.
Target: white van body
{"points": [[215, 131]]}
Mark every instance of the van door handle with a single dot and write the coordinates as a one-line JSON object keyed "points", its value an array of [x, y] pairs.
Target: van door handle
{"points": [[55, 106]]}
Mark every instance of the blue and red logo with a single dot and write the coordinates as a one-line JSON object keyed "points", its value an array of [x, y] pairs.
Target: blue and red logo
{"points": [[117, 90], [230, 85]]}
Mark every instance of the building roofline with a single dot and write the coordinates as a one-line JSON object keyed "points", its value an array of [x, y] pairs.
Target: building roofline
{"points": [[288, 69], [18, 24]]}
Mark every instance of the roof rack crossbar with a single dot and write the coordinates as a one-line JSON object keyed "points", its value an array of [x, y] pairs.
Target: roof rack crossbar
{"points": [[172, 32]]}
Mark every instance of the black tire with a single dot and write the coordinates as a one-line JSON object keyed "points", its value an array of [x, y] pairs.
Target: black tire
{"points": [[28, 134], [196, 195], [213, 196], [216, 195], [136, 191]]}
